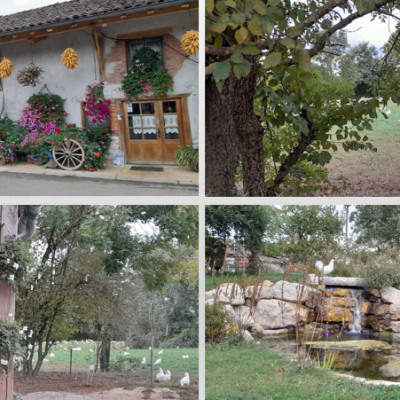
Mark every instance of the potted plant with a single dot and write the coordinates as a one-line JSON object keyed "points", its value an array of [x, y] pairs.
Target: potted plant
{"points": [[29, 75]]}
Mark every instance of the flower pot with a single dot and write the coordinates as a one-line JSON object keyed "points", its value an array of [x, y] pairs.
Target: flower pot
{"points": [[36, 161]]}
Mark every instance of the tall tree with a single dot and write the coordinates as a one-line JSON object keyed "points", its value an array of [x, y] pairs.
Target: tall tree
{"points": [[377, 226], [274, 41], [310, 231]]}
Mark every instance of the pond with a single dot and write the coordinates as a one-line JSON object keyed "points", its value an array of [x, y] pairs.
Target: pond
{"points": [[357, 354]]}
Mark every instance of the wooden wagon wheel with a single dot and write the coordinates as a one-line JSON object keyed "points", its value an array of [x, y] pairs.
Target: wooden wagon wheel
{"points": [[70, 155]]}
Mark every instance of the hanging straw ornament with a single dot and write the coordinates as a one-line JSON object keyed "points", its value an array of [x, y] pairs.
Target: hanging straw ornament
{"points": [[6, 67], [190, 42], [69, 58]]}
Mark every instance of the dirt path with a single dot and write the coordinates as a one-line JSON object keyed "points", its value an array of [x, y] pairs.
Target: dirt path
{"points": [[140, 393]]}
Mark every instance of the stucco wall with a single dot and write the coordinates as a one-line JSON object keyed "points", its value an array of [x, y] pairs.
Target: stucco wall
{"points": [[71, 84]]}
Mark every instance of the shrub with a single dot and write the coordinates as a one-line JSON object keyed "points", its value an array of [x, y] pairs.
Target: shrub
{"points": [[188, 156], [384, 271], [96, 105], [50, 107], [216, 317]]}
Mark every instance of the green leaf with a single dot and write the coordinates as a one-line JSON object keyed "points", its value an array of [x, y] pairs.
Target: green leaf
{"points": [[302, 57], [218, 42], [237, 56], [254, 26], [272, 3], [238, 18], [326, 24], [306, 76], [210, 5], [294, 31], [267, 25], [219, 27], [244, 68], [272, 60], [241, 35], [221, 7], [259, 6], [230, 3], [290, 43], [221, 71], [209, 68], [250, 50], [276, 13], [236, 71], [220, 85]]}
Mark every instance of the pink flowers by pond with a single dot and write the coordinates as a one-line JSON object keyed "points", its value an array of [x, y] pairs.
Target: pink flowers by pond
{"points": [[96, 105]]}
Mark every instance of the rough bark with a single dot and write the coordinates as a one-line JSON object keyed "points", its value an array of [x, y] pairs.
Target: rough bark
{"points": [[222, 143], [105, 354]]}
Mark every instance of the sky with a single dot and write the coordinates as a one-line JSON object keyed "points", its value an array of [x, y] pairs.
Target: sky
{"points": [[13, 6]]}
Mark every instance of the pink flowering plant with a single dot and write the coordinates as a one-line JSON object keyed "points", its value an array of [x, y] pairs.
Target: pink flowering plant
{"points": [[29, 75], [97, 107]]}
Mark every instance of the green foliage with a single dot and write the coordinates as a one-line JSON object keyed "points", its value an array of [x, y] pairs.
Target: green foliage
{"points": [[377, 226], [124, 363], [9, 344], [188, 156], [313, 231], [14, 260], [215, 329], [51, 107], [144, 77], [382, 271]]}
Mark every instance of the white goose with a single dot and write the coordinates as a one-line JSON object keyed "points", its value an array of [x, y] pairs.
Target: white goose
{"points": [[185, 380]]}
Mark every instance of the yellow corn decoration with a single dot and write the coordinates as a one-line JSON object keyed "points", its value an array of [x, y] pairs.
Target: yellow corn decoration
{"points": [[6, 67], [69, 58], [190, 42]]}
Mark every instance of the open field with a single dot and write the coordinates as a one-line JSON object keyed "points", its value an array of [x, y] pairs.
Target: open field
{"points": [[257, 372], [55, 376], [369, 173]]}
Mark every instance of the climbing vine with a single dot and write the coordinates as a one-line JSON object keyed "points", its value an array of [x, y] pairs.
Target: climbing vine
{"points": [[145, 77], [13, 262], [9, 344]]}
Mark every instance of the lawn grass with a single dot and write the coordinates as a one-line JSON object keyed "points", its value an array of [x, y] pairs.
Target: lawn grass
{"points": [[231, 276], [256, 372], [370, 173], [81, 360]]}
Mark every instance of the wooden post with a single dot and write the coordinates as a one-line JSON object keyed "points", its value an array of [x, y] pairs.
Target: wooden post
{"points": [[151, 358], [8, 227]]}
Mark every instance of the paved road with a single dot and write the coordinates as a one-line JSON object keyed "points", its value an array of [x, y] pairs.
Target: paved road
{"points": [[13, 184]]}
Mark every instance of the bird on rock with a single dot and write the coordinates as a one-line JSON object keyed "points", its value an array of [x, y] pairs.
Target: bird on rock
{"points": [[185, 380], [327, 269]]}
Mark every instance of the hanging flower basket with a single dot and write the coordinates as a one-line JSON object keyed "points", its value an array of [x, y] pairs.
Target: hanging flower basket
{"points": [[97, 107], [29, 75]]}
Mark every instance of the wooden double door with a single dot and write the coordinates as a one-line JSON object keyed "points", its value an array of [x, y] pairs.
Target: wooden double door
{"points": [[155, 130]]}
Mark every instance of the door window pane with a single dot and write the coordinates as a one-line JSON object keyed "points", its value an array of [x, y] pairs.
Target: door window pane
{"points": [[135, 45], [148, 108], [150, 134], [170, 120], [135, 134]]}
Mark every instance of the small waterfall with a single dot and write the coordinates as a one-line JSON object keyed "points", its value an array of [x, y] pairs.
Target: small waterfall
{"points": [[357, 313]]}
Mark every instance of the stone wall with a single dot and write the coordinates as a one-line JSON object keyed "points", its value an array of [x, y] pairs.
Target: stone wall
{"points": [[270, 308]]}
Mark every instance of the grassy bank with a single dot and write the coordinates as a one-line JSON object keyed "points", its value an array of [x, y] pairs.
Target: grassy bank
{"points": [[257, 372], [231, 276]]}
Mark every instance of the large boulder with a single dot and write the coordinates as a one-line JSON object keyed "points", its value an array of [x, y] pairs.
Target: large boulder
{"points": [[344, 282], [365, 307], [340, 292], [273, 332], [341, 302], [395, 326], [230, 293], [274, 314], [336, 314], [395, 311], [379, 309], [391, 295], [257, 328], [231, 316], [378, 324], [243, 316], [246, 335], [262, 291], [292, 291], [210, 294], [391, 370]]}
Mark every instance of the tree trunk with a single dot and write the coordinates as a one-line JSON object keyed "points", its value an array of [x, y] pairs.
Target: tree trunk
{"points": [[250, 132], [222, 143], [105, 354], [232, 127]]}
